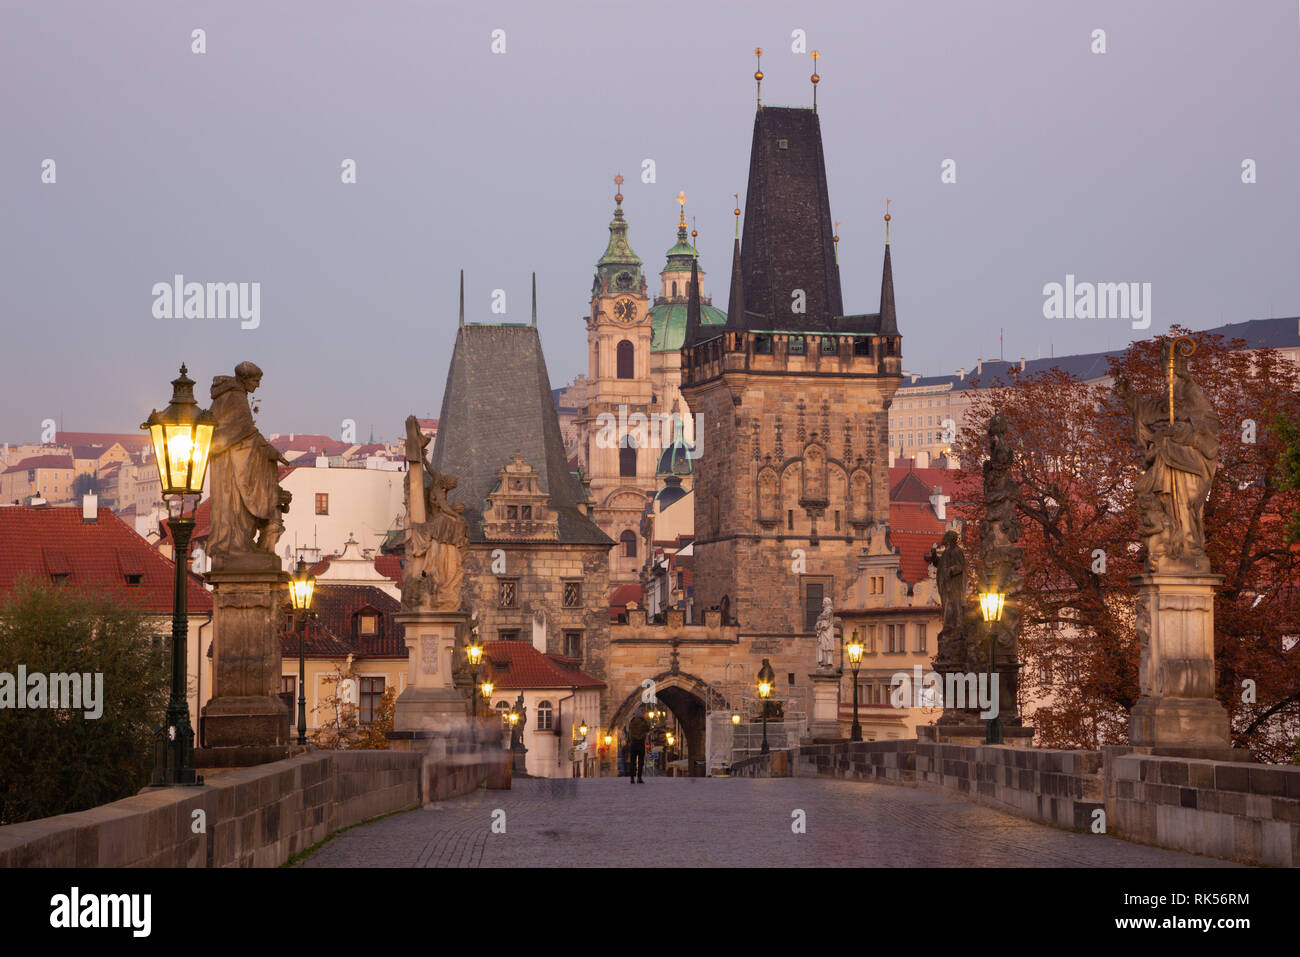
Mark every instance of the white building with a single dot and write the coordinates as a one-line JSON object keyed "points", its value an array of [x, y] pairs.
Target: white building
{"points": [[332, 506]]}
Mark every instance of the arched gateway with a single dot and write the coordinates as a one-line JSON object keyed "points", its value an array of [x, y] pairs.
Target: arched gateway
{"points": [[689, 698]]}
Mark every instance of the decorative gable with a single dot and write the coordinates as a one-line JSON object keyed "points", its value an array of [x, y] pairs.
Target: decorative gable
{"points": [[517, 508]]}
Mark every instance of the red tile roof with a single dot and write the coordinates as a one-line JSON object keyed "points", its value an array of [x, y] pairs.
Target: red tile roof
{"points": [[43, 462], [389, 566], [130, 440], [41, 540], [333, 631], [516, 665], [623, 594], [427, 423], [313, 444]]}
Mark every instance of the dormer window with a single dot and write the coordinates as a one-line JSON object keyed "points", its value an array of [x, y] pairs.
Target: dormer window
{"points": [[134, 579], [367, 624]]}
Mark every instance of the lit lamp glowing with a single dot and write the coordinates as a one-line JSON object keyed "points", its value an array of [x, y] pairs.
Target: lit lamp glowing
{"points": [[735, 717], [766, 681], [992, 603], [485, 688], [474, 652], [302, 584], [854, 649], [583, 729], [671, 740], [181, 436], [608, 739]]}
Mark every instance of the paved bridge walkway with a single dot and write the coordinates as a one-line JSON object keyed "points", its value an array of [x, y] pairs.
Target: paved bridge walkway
{"points": [[725, 822]]}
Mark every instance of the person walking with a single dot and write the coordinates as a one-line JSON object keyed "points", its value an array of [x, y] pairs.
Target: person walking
{"points": [[637, 730]]}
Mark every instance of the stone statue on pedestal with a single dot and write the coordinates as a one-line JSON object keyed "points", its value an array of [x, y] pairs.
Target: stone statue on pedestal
{"points": [[949, 561], [247, 500], [437, 533], [1178, 433], [825, 629]]}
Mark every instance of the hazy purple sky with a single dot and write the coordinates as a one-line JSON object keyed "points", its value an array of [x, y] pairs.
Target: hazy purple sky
{"points": [[225, 166]]}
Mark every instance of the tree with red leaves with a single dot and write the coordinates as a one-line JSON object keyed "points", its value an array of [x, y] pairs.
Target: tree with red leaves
{"points": [[1076, 465]]}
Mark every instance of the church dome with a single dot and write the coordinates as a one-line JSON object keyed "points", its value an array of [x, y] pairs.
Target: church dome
{"points": [[676, 459], [671, 492], [668, 324]]}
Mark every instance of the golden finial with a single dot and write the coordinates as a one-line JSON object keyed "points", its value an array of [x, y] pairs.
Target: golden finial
{"points": [[618, 184], [887, 217], [681, 201], [815, 78], [836, 240], [737, 213], [758, 74], [694, 233]]}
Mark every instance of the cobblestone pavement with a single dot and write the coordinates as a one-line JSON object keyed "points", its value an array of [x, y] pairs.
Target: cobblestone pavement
{"points": [[724, 822]]}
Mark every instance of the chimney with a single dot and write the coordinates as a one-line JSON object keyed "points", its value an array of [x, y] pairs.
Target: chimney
{"points": [[940, 502], [979, 366], [1022, 363], [89, 509], [961, 373]]}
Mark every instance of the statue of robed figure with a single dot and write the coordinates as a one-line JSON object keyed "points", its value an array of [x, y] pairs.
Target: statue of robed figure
{"points": [[437, 533], [247, 500], [1178, 433]]}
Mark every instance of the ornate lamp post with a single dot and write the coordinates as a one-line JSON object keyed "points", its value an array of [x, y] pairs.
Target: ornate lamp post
{"points": [[766, 682], [854, 650], [474, 652], [735, 717], [301, 586], [991, 603], [182, 436], [485, 689]]}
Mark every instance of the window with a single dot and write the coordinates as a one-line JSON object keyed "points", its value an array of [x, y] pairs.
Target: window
{"points": [[861, 346], [544, 715], [897, 638], [512, 513], [508, 634], [573, 594], [507, 593], [763, 345], [627, 463], [573, 644], [796, 345], [322, 503], [837, 520], [372, 690], [367, 624], [624, 359], [628, 538], [812, 603], [1045, 673], [871, 638], [526, 512], [920, 636], [289, 695], [674, 290], [828, 346], [789, 519]]}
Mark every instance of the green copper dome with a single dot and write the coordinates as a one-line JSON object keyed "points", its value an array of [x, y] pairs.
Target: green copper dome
{"points": [[668, 324]]}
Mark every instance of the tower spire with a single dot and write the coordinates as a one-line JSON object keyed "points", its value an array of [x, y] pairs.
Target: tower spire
{"points": [[693, 307], [462, 297], [534, 298], [888, 320], [758, 76], [737, 212]]}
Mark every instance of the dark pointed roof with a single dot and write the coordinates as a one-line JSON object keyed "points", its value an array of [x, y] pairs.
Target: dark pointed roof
{"points": [[788, 235], [736, 301], [694, 330], [888, 321], [498, 401]]}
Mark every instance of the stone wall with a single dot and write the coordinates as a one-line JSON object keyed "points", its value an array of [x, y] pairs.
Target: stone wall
{"points": [[1063, 788], [1235, 810], [253, 817]]}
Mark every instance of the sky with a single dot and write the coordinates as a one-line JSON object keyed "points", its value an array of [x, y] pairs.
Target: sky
{"points": [[227, 166]]}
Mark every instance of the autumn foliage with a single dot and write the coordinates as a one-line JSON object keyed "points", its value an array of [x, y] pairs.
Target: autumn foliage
{"points": [[1076, 464]]}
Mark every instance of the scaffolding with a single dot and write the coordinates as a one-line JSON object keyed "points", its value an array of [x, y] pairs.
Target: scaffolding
{"points": [[725, 742]]}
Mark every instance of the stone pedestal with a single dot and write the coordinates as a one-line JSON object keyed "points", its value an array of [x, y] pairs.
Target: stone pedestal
{"points": [[1177, 713], [824, 723], [430, 698], [247, 620]]}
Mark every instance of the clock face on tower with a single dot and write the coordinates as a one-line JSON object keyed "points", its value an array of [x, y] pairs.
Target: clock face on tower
{"points": [[625, 310]]}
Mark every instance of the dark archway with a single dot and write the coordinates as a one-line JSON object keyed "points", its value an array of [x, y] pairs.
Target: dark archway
{"points": [[685, 696]]}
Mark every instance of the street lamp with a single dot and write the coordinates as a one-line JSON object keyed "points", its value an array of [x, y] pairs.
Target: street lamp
{"points": [[182, 436], [991, 604], [854, 650], [583, 729], [766, 681], [474, 652], [735, 717], [301, 586], [486, 689]]}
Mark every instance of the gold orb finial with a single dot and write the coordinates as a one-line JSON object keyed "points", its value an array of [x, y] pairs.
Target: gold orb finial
{"points": [[887, 218], [758, 74], [681, 202], [618, 183], [694, 232], [815, 78]]}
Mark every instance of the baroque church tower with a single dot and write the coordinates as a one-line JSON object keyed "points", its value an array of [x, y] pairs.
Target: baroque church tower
{"points": [[630, 442], [794, 395]]}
